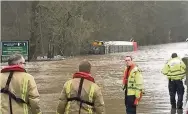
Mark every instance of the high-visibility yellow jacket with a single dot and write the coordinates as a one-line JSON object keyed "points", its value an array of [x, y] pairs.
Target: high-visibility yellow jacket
{"points": [[91, 92], [134, 83], [174, 69], [23, 86]]}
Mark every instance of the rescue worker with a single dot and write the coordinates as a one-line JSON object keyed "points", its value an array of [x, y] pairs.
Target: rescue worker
{"points": [[133, 85], [19, 94], [81, 95], [174, 69]]}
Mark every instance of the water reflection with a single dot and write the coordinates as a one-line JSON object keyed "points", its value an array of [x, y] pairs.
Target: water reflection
{"points": [[179, 111], [108, 71], [173, 111]]}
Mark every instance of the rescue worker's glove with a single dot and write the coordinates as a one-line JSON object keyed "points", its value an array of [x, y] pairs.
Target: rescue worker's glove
{"points": [[136, 101]]}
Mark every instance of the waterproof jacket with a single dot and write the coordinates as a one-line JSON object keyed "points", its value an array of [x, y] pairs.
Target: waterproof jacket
{"points": [[23, 86], [86, 100], [133, 81], [174, 69]]}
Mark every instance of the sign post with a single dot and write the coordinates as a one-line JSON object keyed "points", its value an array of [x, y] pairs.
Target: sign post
{"points": [[14, 47]]}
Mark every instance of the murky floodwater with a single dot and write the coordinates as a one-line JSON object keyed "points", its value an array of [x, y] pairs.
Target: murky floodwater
{"points": [[108, 70]]}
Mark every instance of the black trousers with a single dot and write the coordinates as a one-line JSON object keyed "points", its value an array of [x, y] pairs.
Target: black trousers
{"points": [[176, 86], [129, 103]]}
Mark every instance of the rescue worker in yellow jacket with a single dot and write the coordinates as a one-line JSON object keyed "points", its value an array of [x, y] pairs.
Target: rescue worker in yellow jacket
{"points": [[133, 85], [174, 69], [19, 94], [81, 95]]}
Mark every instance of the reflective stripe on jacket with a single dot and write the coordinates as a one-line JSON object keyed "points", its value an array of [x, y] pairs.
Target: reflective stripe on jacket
{"points": [[23, 86], [90, 92], [134, 82], [89, 108], [174, 69]]}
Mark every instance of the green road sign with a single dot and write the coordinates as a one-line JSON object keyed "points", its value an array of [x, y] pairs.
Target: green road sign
{"points": [[12, 47]]}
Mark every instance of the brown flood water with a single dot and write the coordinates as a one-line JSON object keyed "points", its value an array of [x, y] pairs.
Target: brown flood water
{"points": [[108, 70]]}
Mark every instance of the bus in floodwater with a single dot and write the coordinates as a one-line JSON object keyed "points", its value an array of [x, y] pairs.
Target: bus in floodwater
{"points": [[105, 47]]}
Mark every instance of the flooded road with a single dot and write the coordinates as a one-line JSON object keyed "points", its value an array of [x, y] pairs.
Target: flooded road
{"points": [[108, 71]]}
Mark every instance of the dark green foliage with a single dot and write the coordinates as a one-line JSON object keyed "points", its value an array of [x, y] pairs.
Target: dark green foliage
{"points": [[67, 27]]}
